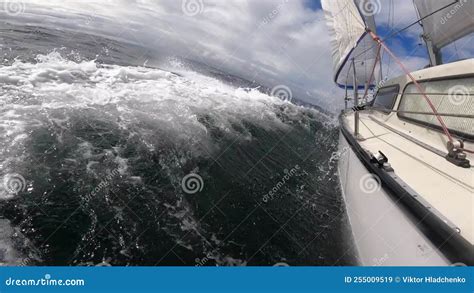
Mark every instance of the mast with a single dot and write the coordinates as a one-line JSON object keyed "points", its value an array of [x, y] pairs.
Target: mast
{"points": [[370, 17], [356, 101], [433, 52], [444, 22]]}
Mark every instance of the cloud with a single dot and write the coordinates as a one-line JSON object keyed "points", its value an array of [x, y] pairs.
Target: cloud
{"points": [[272, 41]]}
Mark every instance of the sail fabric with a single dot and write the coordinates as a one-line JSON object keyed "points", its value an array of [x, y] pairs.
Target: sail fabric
{"points": [[347, 28], [449, 24]]}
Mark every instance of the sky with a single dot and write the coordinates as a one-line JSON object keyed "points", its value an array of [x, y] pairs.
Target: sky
{"points": [[278, 42]]}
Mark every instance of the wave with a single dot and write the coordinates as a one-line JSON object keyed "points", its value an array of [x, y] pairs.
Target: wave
{"points": [[103, 150]]}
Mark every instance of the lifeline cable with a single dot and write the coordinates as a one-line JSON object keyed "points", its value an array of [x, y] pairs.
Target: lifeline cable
{"points": [[418, 86]]}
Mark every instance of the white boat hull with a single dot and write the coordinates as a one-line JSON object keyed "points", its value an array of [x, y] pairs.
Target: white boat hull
{"points": [[384, 234]]}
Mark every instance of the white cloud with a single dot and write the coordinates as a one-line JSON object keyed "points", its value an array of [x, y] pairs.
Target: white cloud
{"points": [[279, 41], [276, 41]]}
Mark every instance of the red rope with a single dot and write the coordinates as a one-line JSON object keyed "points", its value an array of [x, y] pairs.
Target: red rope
{"points": [[418, 86], [467, 151]]}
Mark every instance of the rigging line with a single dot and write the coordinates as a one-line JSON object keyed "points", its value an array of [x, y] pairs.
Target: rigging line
{"points": [[389, 64], [379, 137], [408, 26], [412, 53], [466, 150], [382, 59], [456, 48], [436, 94], [356, 17], [418, 15], [423, 113], [391, 16], [348, 70], [372, 73], [420, 89]]}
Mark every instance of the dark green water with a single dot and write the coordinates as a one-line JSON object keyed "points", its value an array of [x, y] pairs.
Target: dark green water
{"points": [[103, 151]]}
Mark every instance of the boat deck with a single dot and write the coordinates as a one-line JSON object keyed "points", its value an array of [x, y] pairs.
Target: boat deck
{"points": [[447, 188]]}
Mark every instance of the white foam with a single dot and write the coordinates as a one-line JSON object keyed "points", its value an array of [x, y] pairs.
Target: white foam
{"points": [[151, 98], [8, 254], [170, 102]]}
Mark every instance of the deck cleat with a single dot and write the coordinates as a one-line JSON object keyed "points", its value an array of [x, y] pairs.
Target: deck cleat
{"points": [[456, 155]]}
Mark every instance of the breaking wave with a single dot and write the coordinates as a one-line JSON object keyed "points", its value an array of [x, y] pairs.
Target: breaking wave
{"points": [[104, 149]]}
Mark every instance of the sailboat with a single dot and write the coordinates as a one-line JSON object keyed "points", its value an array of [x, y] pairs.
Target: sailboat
{"points": [[406, 156]]}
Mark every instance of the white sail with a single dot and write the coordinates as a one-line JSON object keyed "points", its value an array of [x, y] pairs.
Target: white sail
{"points": [[349, 40], [449, 24]]}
